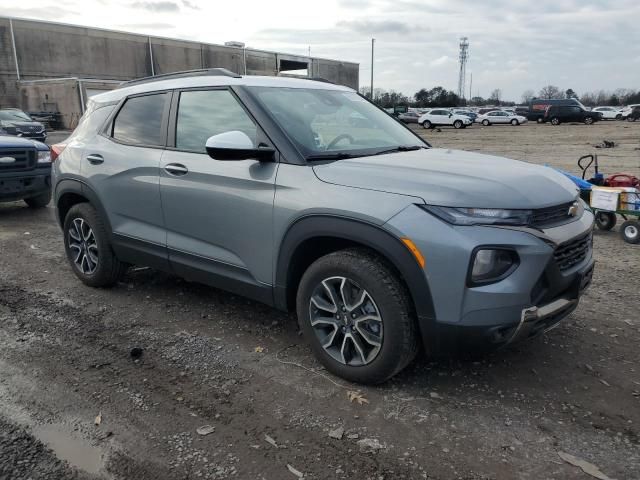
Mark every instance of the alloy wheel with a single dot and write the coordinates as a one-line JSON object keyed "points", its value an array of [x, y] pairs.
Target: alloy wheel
{"points": [[631, 231], [346, 321], [83, 246]]}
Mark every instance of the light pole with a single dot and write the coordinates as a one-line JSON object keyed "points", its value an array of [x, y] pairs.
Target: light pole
{"points": [[373, 40]]}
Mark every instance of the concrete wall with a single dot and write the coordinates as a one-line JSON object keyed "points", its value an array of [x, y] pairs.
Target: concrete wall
{"points": [[48, 50]]}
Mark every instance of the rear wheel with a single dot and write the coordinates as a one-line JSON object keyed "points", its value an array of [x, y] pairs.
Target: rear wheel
{"points": [[515, 122], [40, 201], [426, 125], [606, 220], [357, 315], [458, 124], [588, 121], [485, 123], [630, 231], [555, 121], [631, 119], [88, 247]]}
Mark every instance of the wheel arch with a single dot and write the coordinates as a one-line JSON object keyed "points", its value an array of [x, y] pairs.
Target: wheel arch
{"points": [[71, 192], [311, 237]]}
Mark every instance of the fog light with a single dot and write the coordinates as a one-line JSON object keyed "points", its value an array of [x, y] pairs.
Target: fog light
{"points": [[492, 265]]}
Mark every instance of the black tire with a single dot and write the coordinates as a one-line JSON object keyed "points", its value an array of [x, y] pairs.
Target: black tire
{"points": [[606, 220], [515, 122], [427, 125], [108, 268], [631, 119], [619, 117], [457, 124], [555, 121], [540, 120], [486, 122], [588, 120], [40, 201], [399, 338], [630, 231]]}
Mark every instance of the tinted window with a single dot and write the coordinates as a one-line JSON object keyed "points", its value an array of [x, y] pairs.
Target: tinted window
{"points": [[202, 114], [139, 122]]}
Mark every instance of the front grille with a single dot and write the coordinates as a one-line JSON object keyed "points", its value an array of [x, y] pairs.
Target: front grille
{"points": [[573, 252], [17, 160], [545, 217], [30, 129]]}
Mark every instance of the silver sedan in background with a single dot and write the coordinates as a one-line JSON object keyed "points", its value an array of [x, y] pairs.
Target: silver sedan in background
{"points": [[497, 117]]}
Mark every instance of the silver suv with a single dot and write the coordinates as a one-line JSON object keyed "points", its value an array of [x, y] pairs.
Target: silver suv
{"points": [[304, 195]]}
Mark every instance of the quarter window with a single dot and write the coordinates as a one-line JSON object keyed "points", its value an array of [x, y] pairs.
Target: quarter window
{"points": [[139, 121], [204, 113]]}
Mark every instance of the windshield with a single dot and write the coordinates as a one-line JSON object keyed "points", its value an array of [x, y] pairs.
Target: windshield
{"points": [[14, 115], [326, 123]]}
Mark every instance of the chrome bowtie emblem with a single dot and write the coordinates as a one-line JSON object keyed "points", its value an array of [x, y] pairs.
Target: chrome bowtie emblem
{"points": [[573, 210], [6, 160]]}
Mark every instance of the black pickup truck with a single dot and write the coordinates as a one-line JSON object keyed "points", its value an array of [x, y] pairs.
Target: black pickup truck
{"points": [[25, 171]]}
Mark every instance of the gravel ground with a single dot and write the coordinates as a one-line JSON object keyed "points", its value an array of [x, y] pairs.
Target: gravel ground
{"points": [[208, 358]]}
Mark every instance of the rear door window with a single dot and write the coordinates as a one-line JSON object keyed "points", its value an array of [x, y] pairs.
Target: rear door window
{"points": [[140, 120]]}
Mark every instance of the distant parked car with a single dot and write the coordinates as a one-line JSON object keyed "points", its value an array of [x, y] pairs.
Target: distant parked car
{"points": [[557, 114], [609, 113], [538, 107], [627, 111], [17, 123], [634, 115], [440, 116], [497, 117], [522, 110], [466, 113], [409, 117]]}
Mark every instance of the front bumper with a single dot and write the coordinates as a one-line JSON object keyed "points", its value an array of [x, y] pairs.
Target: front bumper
{"points": [[21, 185], [541, 291]]}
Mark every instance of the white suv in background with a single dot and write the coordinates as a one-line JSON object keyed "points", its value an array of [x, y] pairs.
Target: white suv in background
{"points": [[609, 113], [441, 116], [626, 111]]}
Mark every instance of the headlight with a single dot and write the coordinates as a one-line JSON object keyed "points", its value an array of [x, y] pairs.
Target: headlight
{"points": [[490, 265], [479, 216], [44, 157]]}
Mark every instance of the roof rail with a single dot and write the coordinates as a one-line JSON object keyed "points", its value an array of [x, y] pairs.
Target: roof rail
{"points": [[214, 72]]}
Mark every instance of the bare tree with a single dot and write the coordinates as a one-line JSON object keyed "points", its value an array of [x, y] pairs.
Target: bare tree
{"points": [[527, 96], [550, 92]]}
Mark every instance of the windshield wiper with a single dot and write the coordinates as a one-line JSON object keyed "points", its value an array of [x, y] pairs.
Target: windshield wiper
{"points": [[400, 148], [331, 156]]}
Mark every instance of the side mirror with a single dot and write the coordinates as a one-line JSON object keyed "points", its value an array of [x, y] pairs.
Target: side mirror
{"points": [[236, 145]]}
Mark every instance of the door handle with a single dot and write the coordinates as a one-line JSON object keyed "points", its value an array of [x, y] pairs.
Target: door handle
{"points": [[95, 159], [176, 169]]}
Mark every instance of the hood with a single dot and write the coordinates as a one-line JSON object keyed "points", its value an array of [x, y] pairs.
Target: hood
{"points": [[454, 178], [9, 141], [18, 124]]}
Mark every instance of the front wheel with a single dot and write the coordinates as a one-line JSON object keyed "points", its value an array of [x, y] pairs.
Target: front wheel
{"points": [[88, 247], [485, 123], [357, 315], [457, 124], [606, 220], [426, 124], [588, 121], [631, 119], [630, 231], [515, 122], [40, 201]]}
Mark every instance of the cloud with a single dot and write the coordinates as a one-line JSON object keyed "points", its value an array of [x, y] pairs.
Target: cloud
{"points": [[444, 59], [190, 5], [160, 7], [372, 27]]}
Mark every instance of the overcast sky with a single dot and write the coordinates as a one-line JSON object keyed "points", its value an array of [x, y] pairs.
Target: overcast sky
{"points": [[514, 45]]}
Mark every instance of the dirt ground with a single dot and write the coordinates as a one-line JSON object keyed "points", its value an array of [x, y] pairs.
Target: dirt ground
{"points": [[208, 358]]}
